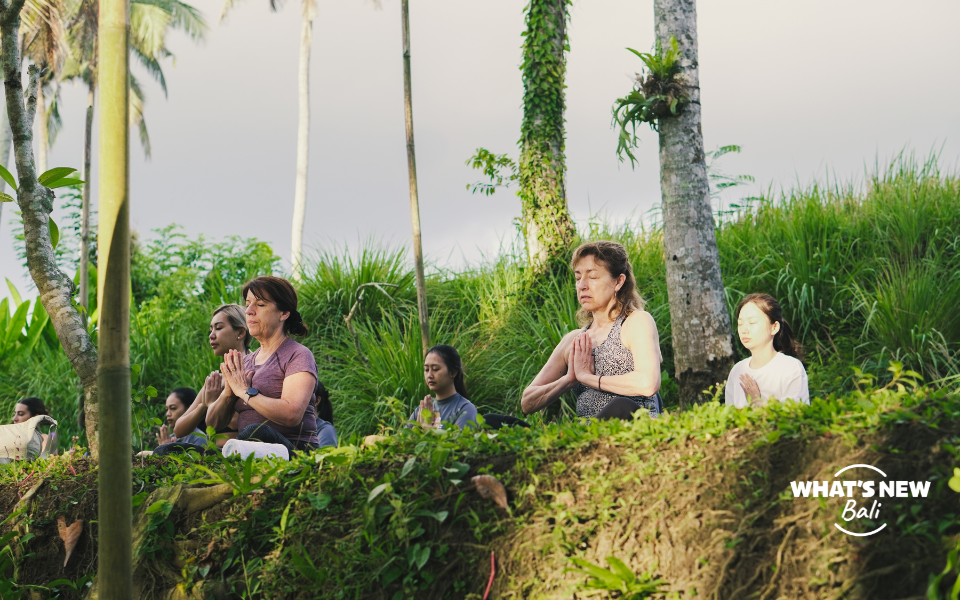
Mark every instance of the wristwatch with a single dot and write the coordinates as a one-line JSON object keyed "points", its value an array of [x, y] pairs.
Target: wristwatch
{"points": [[251, 392]]}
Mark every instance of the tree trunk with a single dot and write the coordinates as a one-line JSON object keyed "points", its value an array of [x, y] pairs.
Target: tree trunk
{"points": [[42, 133], [6, 142], [547, 225], [85, 209], [303, 141], [55, 288], [113, 299], [412, 175], [702, 337]]}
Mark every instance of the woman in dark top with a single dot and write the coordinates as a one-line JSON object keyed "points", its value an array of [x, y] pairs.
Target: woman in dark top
{"points": [[443, 372], [271, 390], [612, 364]]}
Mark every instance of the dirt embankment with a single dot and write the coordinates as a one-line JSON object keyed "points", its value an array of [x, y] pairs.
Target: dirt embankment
{"points": [[718, 519], [714, 518]]}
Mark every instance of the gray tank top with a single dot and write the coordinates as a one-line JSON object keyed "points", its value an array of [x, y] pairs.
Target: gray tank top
{"points": [[610, 358]]}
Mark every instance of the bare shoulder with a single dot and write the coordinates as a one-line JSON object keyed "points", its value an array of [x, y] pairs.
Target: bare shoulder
{"points": [[567, 340], [639, 321]]}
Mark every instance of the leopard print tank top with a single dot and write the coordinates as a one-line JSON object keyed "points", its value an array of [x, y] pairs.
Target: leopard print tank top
{"points": [[610, 358]]}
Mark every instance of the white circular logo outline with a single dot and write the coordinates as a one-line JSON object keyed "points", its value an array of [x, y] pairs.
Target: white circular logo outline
{"points": [[850, 532]]}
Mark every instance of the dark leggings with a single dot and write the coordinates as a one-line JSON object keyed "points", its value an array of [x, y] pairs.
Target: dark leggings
{"points": [[622, 407], [178, 448], [261, 432]]}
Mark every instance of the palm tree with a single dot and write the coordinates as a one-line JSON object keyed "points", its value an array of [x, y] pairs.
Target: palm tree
{"points": [[309, 12], [113, 291], [44, 42], [412, 175], [702, 336], [547, 225], [150, 23]]}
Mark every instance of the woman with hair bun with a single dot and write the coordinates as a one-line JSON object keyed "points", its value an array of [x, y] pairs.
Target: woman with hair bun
{"points": [[773, 369], [228, 331], [272, 389], [613, 363], [443, 373]]}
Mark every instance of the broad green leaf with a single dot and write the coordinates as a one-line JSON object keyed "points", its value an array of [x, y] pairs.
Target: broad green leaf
{"points": [[4, 197], [408, 466], [54, 234], [54, 174], [377, 491], [14, 293], [622, 570], [17, 323], [8, 177], [319, 501], [954, 482], [65, 182], [151, 391]]}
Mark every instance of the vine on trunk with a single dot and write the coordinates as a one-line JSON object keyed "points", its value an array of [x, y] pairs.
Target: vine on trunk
{"points": [[546, 221]]}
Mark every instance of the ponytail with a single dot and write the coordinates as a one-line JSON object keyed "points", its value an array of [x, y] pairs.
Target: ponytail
{"points": [[324, 406], [451, 358]]}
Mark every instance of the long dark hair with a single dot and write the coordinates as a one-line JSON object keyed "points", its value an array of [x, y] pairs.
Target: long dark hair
{"points": [[451, 358], [280, 292], [185, 395], [783, 340], [324, 406], [35, 406]]}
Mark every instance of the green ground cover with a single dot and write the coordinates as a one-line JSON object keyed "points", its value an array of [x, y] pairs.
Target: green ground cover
{"points": [[700, 500]]}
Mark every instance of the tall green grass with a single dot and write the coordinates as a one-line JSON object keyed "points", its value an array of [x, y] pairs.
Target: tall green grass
{"points": [[865, 274]]}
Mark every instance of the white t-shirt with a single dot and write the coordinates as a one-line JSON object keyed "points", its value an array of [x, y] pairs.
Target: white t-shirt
{"points": [[783, 377]]}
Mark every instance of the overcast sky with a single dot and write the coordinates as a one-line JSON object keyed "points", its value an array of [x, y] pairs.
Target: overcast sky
{"points": [[803, 87]]}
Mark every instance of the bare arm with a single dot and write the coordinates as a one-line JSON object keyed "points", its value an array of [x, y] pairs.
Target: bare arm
{"points": [[639, 335], [288, 409], [196, 414], [220, 413], [554, 379]]}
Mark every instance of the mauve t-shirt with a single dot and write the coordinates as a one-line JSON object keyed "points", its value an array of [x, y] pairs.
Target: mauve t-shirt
{"points": [[289, 359]]}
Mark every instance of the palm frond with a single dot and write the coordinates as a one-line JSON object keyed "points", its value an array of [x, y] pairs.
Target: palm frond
{"points": [[54, 123], [183, 16], [137, 100], [152, 65]]}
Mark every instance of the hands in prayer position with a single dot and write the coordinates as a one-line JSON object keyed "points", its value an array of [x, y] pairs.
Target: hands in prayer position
{"points": [[164, 437], [233, 376], [426, 408]]}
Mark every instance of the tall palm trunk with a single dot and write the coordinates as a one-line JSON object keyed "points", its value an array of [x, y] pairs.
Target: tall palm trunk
{"points": [[412, 176], [85, 209], [702, 337], [113, 300], [43, 134], [303, 140], [547, 225]]}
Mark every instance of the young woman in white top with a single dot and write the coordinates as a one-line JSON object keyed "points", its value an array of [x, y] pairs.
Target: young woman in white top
{"points": [[773, 370]]}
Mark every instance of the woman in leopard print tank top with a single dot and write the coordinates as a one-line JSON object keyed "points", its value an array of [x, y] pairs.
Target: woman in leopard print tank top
{"points": [[612, 364]]}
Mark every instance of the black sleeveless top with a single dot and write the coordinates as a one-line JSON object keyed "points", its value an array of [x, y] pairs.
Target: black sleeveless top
{"points": [[611, 358]]}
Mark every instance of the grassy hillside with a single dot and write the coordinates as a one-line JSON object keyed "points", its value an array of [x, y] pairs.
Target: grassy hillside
{"points": [[699, 500], [864, 275]]}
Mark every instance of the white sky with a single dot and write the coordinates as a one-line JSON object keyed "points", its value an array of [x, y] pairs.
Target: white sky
{"points": [[802, 87]]}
